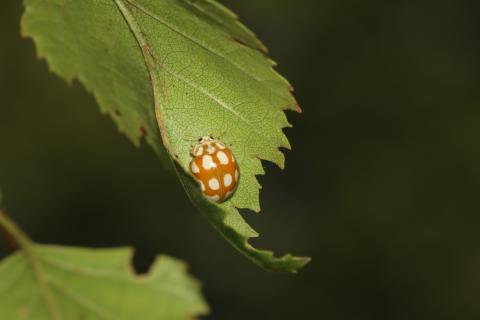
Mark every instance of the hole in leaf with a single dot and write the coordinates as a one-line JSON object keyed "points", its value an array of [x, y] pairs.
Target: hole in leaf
{"points": [[142, 261]]}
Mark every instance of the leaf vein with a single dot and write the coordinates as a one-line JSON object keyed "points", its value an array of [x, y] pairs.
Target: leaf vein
{"points": [[199, 43], [138, 33]]}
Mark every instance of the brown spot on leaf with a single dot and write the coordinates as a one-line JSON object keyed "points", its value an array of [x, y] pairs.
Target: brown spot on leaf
{"points": [[239, 43]]}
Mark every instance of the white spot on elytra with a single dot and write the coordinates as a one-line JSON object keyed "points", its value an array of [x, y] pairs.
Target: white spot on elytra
{"points": [[220, 145], [227, 180], [214, 198], [195, 168], [210, 149], [229, 193], [222, 157], [202, 185], [233, 159], [236, 175], [214, 184], [199, 151], [207, 162]]}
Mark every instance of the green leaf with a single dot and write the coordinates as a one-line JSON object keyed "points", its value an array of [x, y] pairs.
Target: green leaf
{"points": [[50, 282], [186, 67]]}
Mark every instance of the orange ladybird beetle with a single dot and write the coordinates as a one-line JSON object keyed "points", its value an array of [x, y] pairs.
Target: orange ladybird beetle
{"points": [[215, 168]]}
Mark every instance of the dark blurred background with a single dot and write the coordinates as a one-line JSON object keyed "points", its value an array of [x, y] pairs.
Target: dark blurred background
{"points": [[381, 189]]}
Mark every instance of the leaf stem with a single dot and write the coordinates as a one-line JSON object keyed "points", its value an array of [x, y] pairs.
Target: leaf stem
{"points": [[28, 249], [11, 228]]}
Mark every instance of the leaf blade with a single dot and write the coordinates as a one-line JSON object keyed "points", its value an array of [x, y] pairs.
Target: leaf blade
{"points": [[98, 284], [201, 70]]}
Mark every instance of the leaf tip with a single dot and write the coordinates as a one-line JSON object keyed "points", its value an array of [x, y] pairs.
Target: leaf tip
{"points": [[301, 262], [298, 109], [291, 264]]}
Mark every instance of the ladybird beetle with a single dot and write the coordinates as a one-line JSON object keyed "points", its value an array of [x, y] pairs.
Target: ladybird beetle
{"points": [[215, 168]]}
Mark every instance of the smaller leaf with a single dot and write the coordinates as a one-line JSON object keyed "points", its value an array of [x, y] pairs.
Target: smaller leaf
{"points": [[89, 284]]}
